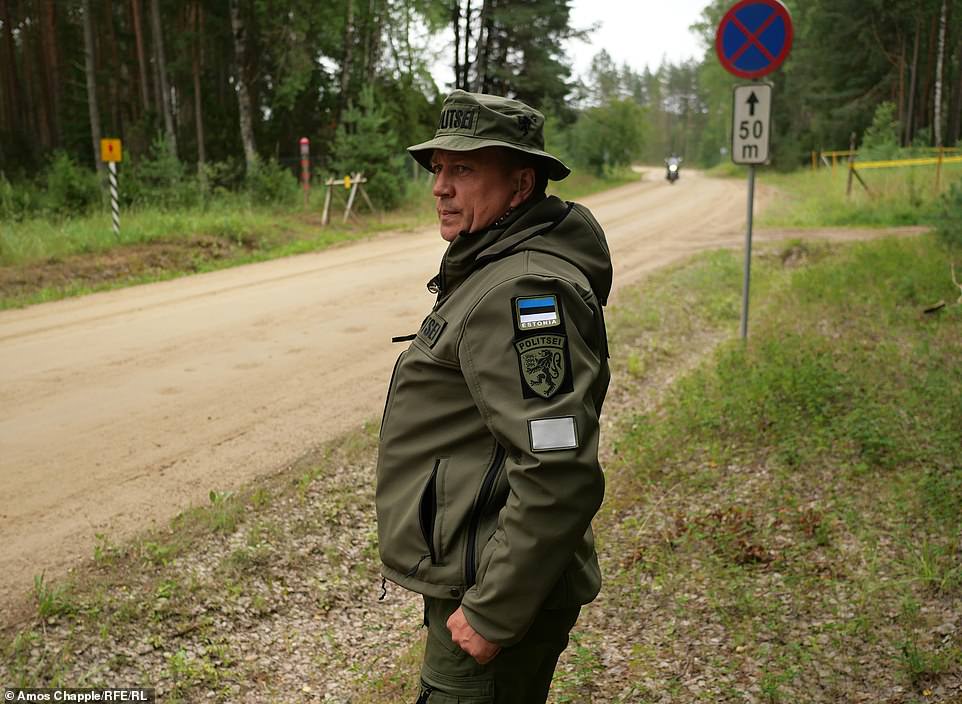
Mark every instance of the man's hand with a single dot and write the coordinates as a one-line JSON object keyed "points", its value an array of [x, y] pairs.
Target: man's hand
{"points": [[469, 640]]}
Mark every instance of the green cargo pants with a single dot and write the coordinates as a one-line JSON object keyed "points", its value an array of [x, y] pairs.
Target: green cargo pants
{"points": [[520, 674]]}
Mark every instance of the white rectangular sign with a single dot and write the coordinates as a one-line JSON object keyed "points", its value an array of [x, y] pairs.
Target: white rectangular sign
{"points": [[751, 123]]}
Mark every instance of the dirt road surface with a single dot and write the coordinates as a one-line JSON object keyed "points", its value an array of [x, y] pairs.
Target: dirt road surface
{"points": [[120, 409]]}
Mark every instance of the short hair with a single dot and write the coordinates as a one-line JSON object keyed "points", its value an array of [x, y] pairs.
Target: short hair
{"points": [[515, 160]]}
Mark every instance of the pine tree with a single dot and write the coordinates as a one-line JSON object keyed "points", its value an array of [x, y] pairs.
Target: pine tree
{"points": [[366, 143]]}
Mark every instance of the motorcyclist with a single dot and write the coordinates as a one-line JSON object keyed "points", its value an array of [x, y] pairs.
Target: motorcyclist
{"points": [[672, 165]]}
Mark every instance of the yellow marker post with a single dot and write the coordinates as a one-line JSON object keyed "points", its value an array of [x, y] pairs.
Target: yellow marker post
{"points": [[111, 151], [347, 182]]}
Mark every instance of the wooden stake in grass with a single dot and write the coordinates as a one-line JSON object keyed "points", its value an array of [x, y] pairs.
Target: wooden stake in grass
{"points": [[952, 267]]}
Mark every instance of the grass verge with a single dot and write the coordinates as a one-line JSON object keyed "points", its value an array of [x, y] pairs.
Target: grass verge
{"points": [[785, 526], [905, 196], [43, 260]]}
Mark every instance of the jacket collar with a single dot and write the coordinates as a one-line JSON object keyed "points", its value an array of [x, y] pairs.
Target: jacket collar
{"points": [[464, 253]]}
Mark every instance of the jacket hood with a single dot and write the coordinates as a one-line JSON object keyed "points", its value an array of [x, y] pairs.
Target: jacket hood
{"points": [[549, 225]]}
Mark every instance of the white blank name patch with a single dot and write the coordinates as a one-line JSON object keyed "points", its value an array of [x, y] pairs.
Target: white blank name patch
{"points": [[553, 434]]}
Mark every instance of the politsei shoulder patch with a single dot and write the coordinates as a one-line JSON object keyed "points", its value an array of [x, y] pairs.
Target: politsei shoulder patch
{"points": [[543, 363]]}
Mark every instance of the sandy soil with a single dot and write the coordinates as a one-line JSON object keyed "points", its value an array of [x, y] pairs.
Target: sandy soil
{"points": [[120, 409]]}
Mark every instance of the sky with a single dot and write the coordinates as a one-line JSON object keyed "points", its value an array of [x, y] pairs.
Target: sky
{"points": [[639, 32]]}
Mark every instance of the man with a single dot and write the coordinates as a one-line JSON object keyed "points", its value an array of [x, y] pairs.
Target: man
{"points": [[488, 474]]}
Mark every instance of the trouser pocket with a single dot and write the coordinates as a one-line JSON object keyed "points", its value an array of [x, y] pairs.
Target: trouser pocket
{"points": [[464, 694]]}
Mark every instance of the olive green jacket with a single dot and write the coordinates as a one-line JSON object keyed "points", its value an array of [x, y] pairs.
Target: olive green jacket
{"points": [[488, 473]]}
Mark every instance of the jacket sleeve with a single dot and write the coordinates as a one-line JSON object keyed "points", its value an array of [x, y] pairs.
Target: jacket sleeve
{"points": [[553, 493]]}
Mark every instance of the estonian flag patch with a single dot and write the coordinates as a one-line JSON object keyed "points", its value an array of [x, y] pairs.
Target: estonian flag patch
{"points": [[537, 312]]}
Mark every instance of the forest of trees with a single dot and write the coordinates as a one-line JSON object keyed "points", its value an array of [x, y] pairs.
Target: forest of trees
{"points": [[214, 82]]}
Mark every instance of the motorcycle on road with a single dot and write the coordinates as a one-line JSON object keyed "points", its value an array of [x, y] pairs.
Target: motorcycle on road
{"points": [[672, 166]]}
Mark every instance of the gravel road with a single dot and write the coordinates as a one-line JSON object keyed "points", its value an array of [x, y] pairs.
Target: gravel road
{"points": [[120, 409]]}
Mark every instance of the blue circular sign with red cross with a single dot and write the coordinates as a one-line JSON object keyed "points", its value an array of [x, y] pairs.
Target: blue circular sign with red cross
{"points": [[754, 38]]}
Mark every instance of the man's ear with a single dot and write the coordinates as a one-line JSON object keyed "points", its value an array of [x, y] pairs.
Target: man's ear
{"points": [[523, 185]]}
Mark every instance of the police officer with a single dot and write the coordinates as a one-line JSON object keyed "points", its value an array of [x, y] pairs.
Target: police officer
{"points": [[488, 473]]}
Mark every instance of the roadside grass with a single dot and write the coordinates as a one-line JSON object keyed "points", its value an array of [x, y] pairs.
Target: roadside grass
{"points": [[228, 217], [581, 183], [781, 521], [45, 260], [904, 196], [785, 526]]}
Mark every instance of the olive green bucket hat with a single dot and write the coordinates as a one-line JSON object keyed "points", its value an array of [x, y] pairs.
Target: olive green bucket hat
{"points": [[472, 121]]}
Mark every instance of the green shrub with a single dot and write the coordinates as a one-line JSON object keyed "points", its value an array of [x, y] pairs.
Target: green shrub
{"points": [[881, 138], [17, 200], [269, 182], [159, 179], [71, 189], [220, 177]]}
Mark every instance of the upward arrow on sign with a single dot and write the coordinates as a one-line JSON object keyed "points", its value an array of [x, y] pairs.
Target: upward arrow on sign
{"points": [[752, 101]]}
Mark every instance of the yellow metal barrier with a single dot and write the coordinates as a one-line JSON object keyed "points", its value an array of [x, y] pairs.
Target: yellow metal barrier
{"points": [[893, 163]]}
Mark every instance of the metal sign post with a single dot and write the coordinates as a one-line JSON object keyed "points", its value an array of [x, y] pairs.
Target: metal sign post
{"points": [[751, 144], [753, 39], [111, 151]]}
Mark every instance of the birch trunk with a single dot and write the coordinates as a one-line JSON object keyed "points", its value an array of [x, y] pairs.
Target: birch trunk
{"points": [[243, 95], [937, 117]]}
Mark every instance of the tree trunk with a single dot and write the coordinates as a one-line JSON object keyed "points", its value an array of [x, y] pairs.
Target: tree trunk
{"points": [[901, 98], [36, 75], [466, 66], [484, 64], [937, 119], [92, 85], [243, 95], [51, 59], [910, 114], [456, 21], [347, 65], [373, 40], [10, 106], [141, 55], [113, 83], [197, 25], [955, 115], [158, 38], [925, 102]]}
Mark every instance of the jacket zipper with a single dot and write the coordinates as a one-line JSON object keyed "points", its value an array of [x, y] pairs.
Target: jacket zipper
{"points": [[390, 390], [470, 561]]}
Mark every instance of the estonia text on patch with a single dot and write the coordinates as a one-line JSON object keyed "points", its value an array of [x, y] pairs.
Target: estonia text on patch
{"points": [[540, 312]]}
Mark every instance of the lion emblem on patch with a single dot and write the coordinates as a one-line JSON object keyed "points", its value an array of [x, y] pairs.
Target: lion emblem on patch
{"points": [[542, 363]]}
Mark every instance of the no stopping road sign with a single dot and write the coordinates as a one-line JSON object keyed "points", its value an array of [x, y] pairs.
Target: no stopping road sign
{"points": [[754, 38]]}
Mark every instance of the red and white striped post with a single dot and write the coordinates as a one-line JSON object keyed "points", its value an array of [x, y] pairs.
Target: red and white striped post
{"points": [[306, 167]]}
